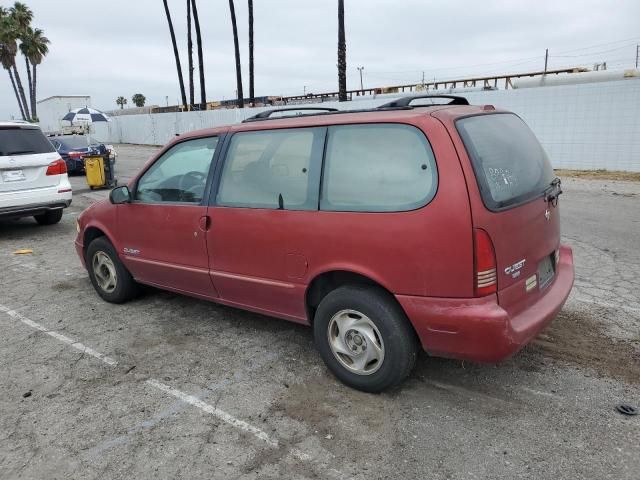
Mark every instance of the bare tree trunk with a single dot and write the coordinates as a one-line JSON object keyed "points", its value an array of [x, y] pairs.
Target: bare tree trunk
{"points": [[203, 93], [34, 101], [237, 50], [175, 53], [190, 55], [251, 77], [25, 105], [15, 90], [342, 55], [28, 65]]}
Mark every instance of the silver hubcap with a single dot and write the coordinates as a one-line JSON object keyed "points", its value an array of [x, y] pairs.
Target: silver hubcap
{"points": [[356, 342], [105, 272]]}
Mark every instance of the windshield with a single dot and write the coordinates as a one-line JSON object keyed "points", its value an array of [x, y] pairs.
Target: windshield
{"points": [[23, 141], [510, 164]]}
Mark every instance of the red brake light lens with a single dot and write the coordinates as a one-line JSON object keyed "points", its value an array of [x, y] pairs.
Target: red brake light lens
{"points": [[76, 154], [485, 264], [57, 167]]}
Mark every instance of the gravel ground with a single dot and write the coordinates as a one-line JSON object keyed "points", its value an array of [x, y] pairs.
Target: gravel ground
{"points": [[191, 389]]}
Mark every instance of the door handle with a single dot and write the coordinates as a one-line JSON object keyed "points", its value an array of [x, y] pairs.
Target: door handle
{"points": [[204, 223]]}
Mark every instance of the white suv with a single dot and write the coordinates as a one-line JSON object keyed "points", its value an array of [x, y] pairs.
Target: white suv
{"points": [[33, 177]]}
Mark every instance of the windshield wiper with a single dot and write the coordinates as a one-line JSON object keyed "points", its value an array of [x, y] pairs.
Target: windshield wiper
{"points": [[21, 152], [553, 191]]}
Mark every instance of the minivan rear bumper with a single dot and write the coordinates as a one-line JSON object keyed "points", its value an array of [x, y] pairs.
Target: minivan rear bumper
{"points": [[479, 329]]}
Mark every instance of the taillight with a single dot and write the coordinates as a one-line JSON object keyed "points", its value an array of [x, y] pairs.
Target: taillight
{"points": [[485, 264], [76, 155], [57, 167]]}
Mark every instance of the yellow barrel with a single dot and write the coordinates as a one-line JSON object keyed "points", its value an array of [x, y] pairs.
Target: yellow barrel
{"points": [[94, 168]]}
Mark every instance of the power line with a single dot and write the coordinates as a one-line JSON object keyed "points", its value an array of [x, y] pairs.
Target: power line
{"points": [[633, 39], [595, 53]]}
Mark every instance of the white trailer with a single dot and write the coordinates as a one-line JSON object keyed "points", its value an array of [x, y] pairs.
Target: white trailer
{"points": [[52, 109]]}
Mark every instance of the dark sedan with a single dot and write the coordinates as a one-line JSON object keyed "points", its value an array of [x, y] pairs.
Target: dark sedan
{"points": [[73, 149]]}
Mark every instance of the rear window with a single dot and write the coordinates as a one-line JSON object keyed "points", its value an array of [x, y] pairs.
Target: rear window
{"points": [[377, 168], [510, 164], [75, 142], [23, 141]]}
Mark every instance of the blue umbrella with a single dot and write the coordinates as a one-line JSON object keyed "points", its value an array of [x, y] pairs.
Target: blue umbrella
{"points": [[86, 114]]}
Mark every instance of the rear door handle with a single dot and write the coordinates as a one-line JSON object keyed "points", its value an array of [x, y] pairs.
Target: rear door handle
{"points": [[205, 223]]}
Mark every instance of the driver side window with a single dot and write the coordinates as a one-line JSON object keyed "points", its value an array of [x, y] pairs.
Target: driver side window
{"points": [[180, 174]]}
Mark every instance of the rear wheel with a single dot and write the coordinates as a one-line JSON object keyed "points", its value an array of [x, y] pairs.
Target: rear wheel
{"points": [[49, 218], [109, 276], [365, 338]]}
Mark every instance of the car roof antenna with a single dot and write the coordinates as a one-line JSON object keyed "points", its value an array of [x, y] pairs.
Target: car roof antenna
{"points": [[280, 202]]}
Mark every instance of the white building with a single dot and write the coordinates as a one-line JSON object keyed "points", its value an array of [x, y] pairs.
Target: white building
{"points": [[52, 109]]}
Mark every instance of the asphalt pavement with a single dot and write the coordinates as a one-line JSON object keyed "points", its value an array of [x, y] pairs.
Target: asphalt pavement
{"points": [[171, 387]]}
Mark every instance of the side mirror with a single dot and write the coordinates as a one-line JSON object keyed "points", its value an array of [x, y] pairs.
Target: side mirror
{"points": [[120, 195]]}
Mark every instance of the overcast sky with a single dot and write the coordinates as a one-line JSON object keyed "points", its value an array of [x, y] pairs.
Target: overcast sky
{"points": [[121, 47]]}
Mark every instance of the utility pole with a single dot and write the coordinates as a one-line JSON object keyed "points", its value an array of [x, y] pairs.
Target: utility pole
{"points": [[637, 54], [423, 80], [304, 90], [360, 69], [546, 60]]}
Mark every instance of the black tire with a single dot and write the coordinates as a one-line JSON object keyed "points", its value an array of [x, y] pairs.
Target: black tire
{"points": [[50, 217], [125, 288], [397, 336]]}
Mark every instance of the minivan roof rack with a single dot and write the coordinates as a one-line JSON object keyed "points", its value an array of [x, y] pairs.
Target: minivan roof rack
{"points": [[403, 103], [406, 101], [267, 114]]}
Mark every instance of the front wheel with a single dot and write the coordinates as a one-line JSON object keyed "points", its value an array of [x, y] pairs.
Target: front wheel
{"points": [[365, 338], [109, 276]]}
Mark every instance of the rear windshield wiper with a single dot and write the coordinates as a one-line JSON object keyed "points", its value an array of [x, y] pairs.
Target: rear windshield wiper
{"points": [[21, 152], [553, 191]]}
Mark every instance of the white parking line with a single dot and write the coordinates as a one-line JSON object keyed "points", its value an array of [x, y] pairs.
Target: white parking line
{"points": [[58, 336], [216, 412], [184, 397]]}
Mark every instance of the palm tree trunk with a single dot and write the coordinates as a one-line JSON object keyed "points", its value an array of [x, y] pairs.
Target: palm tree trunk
{"points": [[175, 53], [26, 61], [203, 93], [15, 90], [190, 55], [342, 55], [25, 105], [237, 50], [251, 77], [34, 102]]}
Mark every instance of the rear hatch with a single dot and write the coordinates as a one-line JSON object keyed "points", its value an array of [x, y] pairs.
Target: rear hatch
{"points": [[519, 208], [25, 154]]}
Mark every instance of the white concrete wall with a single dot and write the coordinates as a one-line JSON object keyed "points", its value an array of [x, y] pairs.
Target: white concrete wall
{"points": [[586, 126]]}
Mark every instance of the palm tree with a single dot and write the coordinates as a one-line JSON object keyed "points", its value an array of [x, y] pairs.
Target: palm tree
{"points": [[203, 93], [138, 100], [237, 51], [34, 47], [6, 55], [175, 52], [190, 54], [121, 101], [7, 59], [251, 78], [20, 17], [342, 55]]}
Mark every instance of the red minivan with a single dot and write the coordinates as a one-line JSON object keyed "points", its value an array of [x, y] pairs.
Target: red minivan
{"points": [[385, 230]]}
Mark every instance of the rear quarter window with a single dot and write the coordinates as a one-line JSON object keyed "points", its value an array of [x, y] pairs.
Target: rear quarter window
{"points": [[23, 141], [510, 165], [377, 168]]}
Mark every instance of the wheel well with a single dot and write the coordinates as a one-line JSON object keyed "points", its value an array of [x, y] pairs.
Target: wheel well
{"points": [[90, 234], [325, 283]]}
